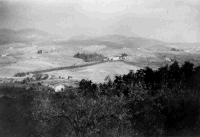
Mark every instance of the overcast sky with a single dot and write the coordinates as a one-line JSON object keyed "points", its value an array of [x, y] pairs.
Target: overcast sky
{"points": [[166, 20]]}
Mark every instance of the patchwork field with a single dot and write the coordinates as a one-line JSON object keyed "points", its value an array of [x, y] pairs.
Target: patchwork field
{"points": [[47, 52]]}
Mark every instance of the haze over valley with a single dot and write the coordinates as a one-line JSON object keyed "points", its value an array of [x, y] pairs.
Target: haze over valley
{"points": [[20, 53], [40, 35], [99, 68]]}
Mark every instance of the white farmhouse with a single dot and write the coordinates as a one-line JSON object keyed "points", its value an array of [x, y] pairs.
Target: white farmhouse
{"points": [[4, 55], [106, 59], [167, 59], [59, 88], [113, 58]]}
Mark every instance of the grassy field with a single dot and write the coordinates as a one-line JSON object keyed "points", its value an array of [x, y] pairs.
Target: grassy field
{"points": [[57, 55], [96, 72]]}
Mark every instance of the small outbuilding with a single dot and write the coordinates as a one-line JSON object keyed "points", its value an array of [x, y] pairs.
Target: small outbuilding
{"points": [[69, 77], [59, 88], [167, 59], [105, 59], [4, 55], [114, 58]]}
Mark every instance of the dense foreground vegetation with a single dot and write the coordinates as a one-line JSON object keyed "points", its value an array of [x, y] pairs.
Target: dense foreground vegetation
{"points": [[163, 102]]}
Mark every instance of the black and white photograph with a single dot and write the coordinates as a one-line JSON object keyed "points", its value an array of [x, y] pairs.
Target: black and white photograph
{"points": [[99, 68]]}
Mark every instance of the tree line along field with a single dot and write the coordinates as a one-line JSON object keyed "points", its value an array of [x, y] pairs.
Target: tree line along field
{"points": [[163, 102], [90, 57]]}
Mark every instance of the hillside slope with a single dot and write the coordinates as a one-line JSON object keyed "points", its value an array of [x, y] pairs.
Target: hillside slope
{"points": [[8, 36]]}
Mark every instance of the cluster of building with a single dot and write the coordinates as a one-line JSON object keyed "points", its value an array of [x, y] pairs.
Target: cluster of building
{"points": [[50, 50], [121, 57], [4, 55], [38, 78]]}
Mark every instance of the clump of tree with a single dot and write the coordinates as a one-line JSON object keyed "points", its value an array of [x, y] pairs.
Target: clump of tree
{"points": [[124, 55], [175, 49], [163, 102], [90, 57], [21, 74], [39, 52]]}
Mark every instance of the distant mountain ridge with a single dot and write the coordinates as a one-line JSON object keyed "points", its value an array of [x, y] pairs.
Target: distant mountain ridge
{"points": [[112, 41], [129, 40], [30, 31], [28, 35]]}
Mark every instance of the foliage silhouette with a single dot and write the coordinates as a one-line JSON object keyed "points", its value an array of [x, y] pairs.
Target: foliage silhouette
{"points": [[162, 102]]}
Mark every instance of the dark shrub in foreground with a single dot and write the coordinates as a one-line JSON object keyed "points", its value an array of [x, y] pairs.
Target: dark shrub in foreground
{"points": [[163, 102]]}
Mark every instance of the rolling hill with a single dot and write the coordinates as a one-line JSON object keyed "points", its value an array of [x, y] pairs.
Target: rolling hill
{"points": [[8, 36], [19, 53], [111, 41]]}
